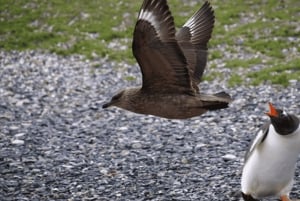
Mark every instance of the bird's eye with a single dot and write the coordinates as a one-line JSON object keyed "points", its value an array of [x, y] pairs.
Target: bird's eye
{"points": [[116, 97]]}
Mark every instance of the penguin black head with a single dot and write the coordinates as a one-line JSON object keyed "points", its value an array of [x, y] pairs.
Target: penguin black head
{"points": [[283, 122]]}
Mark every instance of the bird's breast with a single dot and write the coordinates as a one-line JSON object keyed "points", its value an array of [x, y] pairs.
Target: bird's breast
{"points": [[170, 106]]}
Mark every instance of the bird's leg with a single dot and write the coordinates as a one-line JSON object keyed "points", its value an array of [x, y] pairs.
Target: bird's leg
{"points": [[285, 198]]}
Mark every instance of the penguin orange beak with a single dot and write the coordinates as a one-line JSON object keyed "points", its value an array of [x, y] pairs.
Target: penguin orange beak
{"points": [[272, 111]]}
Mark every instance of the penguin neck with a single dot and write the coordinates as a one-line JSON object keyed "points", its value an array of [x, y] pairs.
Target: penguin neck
{"points": [[286, 144]]}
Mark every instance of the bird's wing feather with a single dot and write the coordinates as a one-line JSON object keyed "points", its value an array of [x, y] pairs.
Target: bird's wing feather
{"points": [[193, 38], [162, 62]]}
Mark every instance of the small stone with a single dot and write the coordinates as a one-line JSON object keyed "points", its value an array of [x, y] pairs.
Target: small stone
{"points": [[229, 157], [20, 135], [17, 142], [125, 152], [123, 128], [136, 145], [13, 128]]}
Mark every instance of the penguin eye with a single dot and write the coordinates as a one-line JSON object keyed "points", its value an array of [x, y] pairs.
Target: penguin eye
{"points": [[281, 113], [285, 116]]}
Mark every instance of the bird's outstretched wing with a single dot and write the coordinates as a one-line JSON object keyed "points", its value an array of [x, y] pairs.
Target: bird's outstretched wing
{"points": [[162, 62], [193, 38]]}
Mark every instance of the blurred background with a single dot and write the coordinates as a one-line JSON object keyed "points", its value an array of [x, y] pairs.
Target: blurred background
{"points": [[255, 41]]}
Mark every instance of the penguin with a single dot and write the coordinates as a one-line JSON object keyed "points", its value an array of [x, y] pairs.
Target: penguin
{"points": [[270, 162]]}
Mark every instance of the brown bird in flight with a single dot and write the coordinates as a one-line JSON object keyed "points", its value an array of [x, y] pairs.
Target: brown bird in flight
{"points": [[172, 64]]}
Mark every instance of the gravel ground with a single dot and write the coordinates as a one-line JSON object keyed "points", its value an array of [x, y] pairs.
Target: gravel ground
{"points": [[56, 142]]}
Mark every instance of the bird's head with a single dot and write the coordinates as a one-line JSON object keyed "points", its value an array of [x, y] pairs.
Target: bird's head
{"points": [[124, 99], [116, 100], [283, 122]]}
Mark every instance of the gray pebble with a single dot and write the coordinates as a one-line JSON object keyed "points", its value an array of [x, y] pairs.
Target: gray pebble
{"points": [[58, 144], [17, 142]]}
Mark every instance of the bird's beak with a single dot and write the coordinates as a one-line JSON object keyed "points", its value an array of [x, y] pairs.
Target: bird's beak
{"points": [[272, 111], [106, 105]]}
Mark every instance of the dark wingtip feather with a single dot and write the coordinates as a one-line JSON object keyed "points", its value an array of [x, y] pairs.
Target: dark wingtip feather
{"points": [[224, 95], [158, 14], [222, 100]]}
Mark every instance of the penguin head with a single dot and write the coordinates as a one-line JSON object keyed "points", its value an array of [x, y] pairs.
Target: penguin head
{"points": [[283, 122]]}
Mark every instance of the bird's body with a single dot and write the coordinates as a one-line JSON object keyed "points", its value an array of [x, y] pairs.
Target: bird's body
{"points": [[171, 63], [172, 106], [271, 160]]}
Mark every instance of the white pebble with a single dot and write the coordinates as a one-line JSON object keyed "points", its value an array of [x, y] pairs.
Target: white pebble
{"points": [[17, 142], [229, 157]]}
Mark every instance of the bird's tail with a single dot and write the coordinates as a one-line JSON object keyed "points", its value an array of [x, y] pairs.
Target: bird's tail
{"points": [[216, 101]]}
